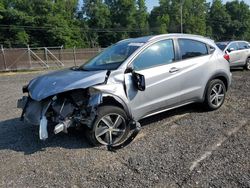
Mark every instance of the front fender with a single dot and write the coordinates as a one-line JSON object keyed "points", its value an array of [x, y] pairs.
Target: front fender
{"points": [[115, 91]]}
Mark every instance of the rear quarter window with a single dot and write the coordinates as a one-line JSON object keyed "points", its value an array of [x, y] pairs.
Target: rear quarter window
{"points": [[192, 48]]}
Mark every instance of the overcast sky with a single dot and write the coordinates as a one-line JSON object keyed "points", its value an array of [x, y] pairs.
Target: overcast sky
{"points": [[152, 3]]}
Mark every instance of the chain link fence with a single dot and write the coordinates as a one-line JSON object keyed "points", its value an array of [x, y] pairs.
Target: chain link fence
{"points": [[13, 59]]}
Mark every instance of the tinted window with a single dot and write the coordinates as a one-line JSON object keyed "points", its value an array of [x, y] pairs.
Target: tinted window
{"points": [[233, 45], [243, 45], [222, 45], [157, 54], [192, 48]]}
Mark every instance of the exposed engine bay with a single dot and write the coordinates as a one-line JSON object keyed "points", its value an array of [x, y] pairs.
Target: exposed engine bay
{"points": [[73, 108]]}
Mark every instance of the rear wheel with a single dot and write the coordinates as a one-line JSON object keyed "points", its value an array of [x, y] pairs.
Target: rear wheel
{"points": [[110, 126], [247, 66], [215, 94]]}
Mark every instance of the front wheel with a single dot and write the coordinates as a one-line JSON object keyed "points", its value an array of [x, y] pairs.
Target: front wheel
{"points": [[247, 66], [110, 126], [215, 94]]}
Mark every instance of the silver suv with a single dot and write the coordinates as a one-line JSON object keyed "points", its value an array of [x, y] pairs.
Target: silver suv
{"points": [[130, 80], [238, 51]]}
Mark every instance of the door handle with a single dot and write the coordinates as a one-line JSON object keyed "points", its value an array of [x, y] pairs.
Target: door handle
{"points": [[174, 69]]}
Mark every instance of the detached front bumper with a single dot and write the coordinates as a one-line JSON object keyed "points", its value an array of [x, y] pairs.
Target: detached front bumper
{"points": [[21, 103], [34, 113], [31, 110]]}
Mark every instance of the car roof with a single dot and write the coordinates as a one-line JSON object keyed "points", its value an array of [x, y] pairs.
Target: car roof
{"points": [[171, 35], [223, 42], [227, 42], [138, 40]]}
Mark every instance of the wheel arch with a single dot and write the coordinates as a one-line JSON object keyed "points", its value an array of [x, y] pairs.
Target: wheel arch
{"points": [[109, 99], [221, 76], [246, 63]]}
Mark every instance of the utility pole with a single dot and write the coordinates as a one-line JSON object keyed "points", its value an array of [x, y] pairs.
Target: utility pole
{"points": [[29, 54], [182, 2], [4, 60]]}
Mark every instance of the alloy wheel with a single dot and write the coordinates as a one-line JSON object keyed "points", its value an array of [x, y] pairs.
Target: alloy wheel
{"points": [[248, 64], [110, 129], [217, 95]]}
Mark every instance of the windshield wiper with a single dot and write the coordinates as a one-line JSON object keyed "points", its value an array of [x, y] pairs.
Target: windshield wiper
{"points": [[77, 68]]}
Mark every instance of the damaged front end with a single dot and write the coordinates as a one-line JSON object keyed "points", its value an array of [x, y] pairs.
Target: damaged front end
{"points": [[73, 98], [64, 110]]}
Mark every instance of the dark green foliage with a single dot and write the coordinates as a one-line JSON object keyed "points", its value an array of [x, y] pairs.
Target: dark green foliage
{"points": [[167, 17], [39, 23], [240, 20], [103, 22], [219, 20], [142, 18], [194, 16]]}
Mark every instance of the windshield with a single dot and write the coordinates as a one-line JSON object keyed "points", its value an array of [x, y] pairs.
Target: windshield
{"points": [[222, 45], [112, 57]]}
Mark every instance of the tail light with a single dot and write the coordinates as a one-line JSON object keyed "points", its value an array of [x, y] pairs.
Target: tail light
{"points": [[227, 57]]}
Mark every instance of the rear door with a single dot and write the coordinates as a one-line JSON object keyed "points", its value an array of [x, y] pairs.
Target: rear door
{"points": [[193, 68]]}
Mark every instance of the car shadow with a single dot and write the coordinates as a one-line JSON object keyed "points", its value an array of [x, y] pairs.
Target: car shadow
{"points": [[237, 69], [22, 137], [195, 107]]}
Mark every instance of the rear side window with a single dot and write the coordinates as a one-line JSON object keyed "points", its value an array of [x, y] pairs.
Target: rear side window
{"points": [[192, 48], [243, 45], [159, 53]]}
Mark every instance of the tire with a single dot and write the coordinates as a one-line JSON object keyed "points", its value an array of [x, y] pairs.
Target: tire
{"points": [[247, 65], [215, 94], [104, 129]]}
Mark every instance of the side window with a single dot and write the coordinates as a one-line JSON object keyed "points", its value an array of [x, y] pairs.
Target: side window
{"points": [[158, 53], [234, 46], [243, 45], [192, 48]]}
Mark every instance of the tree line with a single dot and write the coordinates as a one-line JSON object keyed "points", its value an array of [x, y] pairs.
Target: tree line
{"points": [[92, 23]]}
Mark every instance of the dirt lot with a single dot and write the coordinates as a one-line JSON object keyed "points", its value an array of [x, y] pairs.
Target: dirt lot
{"points": [[186, 147]]}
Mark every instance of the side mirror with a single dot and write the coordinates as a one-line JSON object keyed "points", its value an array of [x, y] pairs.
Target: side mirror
{"points": [[230, 49], [129, 70], [138, 79]]}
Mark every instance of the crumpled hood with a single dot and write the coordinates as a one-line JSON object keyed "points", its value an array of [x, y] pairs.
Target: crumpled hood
{"points": [[64, 80]]}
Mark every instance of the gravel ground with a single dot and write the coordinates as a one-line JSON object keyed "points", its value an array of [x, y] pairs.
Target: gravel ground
{"points": [[186, 147]]}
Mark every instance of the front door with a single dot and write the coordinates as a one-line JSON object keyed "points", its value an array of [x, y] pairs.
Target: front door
{"points": [[234, 55], [157, 65]]}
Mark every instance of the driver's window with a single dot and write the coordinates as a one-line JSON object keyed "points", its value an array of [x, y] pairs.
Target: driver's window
{"points": [[233, 46], [159, 53]]}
